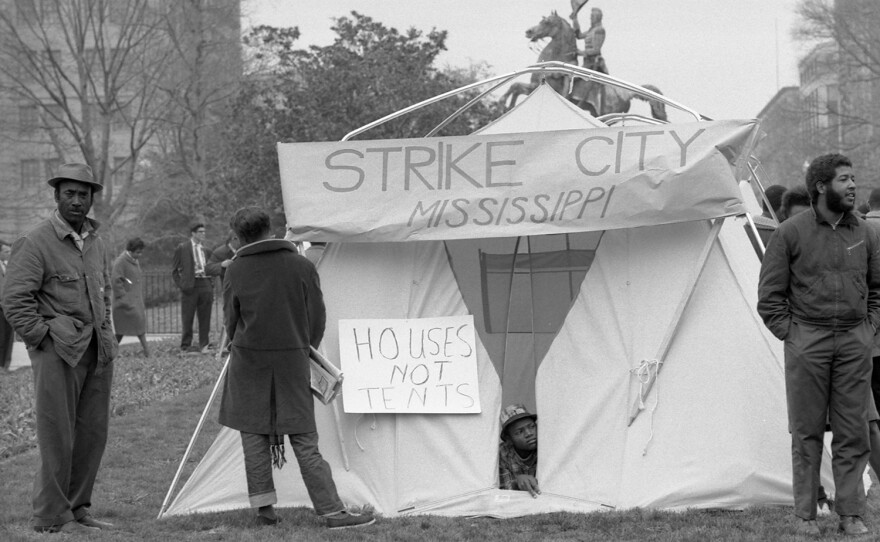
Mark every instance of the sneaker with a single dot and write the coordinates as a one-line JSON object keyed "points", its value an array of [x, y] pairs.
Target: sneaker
{"points": [[852, 526], [344, 520]]}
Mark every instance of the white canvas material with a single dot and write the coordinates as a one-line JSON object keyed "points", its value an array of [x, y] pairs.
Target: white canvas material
{"points": [[712, 433]]}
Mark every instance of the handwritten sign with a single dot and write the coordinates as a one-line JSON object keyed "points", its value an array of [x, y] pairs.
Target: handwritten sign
{"points": [[423, 365], [513, 184]]}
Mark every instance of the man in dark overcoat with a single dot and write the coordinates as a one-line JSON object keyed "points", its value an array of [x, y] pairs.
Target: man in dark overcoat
{"points": [[274, 312]]}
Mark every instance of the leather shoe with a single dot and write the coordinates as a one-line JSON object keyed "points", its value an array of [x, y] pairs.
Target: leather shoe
{"points": [[807, 527], [71, 527], [263, 520], [852, 526], [89, 521]]}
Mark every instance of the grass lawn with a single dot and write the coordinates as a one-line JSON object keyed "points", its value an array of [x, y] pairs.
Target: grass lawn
{"points": [[148, 438]]}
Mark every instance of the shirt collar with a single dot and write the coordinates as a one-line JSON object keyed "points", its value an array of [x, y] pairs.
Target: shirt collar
{"points": [[63, 229]]}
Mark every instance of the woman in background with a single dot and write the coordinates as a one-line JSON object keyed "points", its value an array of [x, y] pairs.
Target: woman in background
{"points": [[129, 314]]}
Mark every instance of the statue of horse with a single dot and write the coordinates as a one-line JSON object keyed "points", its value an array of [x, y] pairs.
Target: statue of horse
{"points": [[594, 97], [562, 46]]}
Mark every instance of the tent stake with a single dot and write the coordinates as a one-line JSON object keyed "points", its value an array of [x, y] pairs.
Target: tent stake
{"points": [[192, 441], [638, 404]]}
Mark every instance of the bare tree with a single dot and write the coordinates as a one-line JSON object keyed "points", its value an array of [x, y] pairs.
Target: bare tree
{"points": [[90, 68], [204, 36], [841, 76]]}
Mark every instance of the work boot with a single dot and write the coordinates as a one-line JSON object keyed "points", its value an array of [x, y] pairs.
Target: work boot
{"points": [[852, 526], [807, 527]]}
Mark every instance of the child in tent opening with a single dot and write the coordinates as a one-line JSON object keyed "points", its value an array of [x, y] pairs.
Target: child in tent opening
{"points": [[518, 453]]}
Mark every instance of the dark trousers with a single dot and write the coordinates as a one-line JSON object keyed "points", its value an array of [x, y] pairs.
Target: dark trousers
{"points": [[828, 373], [875, 381], [316, 472], [6, 338], [197, 302], [73, 412]]}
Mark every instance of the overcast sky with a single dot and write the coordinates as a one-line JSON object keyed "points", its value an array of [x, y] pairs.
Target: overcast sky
{"points": [[724, 58]]}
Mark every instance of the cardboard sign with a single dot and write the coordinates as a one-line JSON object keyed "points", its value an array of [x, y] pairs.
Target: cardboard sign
{"points": [[423, 365], [506, 185]]}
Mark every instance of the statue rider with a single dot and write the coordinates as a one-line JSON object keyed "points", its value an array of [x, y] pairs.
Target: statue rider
{"points": [[593, 38]]}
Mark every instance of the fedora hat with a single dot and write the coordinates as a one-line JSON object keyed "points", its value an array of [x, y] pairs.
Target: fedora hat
{"points": [[80, 173]]}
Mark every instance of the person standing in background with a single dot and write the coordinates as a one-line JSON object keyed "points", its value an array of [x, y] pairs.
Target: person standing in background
{"points": [[192, 273], [7, 335], [129, 313]]}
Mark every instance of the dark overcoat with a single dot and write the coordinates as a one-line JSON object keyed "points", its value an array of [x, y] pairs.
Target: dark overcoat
{"points": [[274, 313], [129, 314]]}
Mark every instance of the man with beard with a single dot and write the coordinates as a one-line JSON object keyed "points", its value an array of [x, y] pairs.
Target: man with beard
{"points": [[819, 291]]}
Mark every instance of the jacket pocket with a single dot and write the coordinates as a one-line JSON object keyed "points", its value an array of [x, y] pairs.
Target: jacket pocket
{"points": [[65, 288]]}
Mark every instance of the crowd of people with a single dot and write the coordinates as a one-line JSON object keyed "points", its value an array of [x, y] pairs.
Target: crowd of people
{"points": [[819, 293]]}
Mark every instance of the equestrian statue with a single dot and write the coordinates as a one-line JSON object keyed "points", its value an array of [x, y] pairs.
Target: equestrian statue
{"points": [[594, 97]]}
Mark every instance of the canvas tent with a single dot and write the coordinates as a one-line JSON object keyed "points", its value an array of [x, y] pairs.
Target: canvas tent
{"points": [[573, 324]]}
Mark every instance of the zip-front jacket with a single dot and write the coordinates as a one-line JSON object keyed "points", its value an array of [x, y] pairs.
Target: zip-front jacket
{"points": [[820, 274], [53, 287]]}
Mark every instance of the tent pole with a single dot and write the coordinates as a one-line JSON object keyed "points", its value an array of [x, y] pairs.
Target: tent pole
{"points": [[638, 404], [754, 230], [195, 435], [340, 436], [222, 342]]}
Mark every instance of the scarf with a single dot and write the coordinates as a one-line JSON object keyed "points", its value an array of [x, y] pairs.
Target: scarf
{"points": [[276, 448]]}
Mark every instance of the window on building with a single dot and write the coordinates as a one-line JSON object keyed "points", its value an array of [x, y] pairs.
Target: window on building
{"points": [[51, 166], [90, 57], [28, 119], [31, 173], [53, 116], [50, 56], [25, 10], [121, 116]]}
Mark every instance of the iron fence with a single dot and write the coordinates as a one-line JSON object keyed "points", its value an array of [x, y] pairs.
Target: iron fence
{"points": [[162, 301]]}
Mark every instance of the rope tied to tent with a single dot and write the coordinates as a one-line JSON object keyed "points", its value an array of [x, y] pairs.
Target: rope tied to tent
{"points": [[643, 373], [357, 440], [646, 372]]}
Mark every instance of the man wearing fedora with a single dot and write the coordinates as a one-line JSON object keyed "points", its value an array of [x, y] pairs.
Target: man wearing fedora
{"points": [[57, 297]]}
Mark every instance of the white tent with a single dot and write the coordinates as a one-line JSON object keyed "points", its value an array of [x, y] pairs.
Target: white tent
{"points": [[574, 325]]}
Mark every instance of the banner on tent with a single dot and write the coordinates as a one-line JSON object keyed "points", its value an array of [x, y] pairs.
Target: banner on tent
{"points": [[420, 365], [513, 184]]}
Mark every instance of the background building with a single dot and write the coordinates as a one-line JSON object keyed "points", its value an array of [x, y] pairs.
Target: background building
{"points": [[836, 108], [122, 85]]}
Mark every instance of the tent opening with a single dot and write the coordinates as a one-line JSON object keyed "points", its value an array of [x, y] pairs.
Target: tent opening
{"points": [[520, 290]]}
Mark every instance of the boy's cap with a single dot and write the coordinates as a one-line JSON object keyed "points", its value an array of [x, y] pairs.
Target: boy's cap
{"points": [[512, 413]]}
